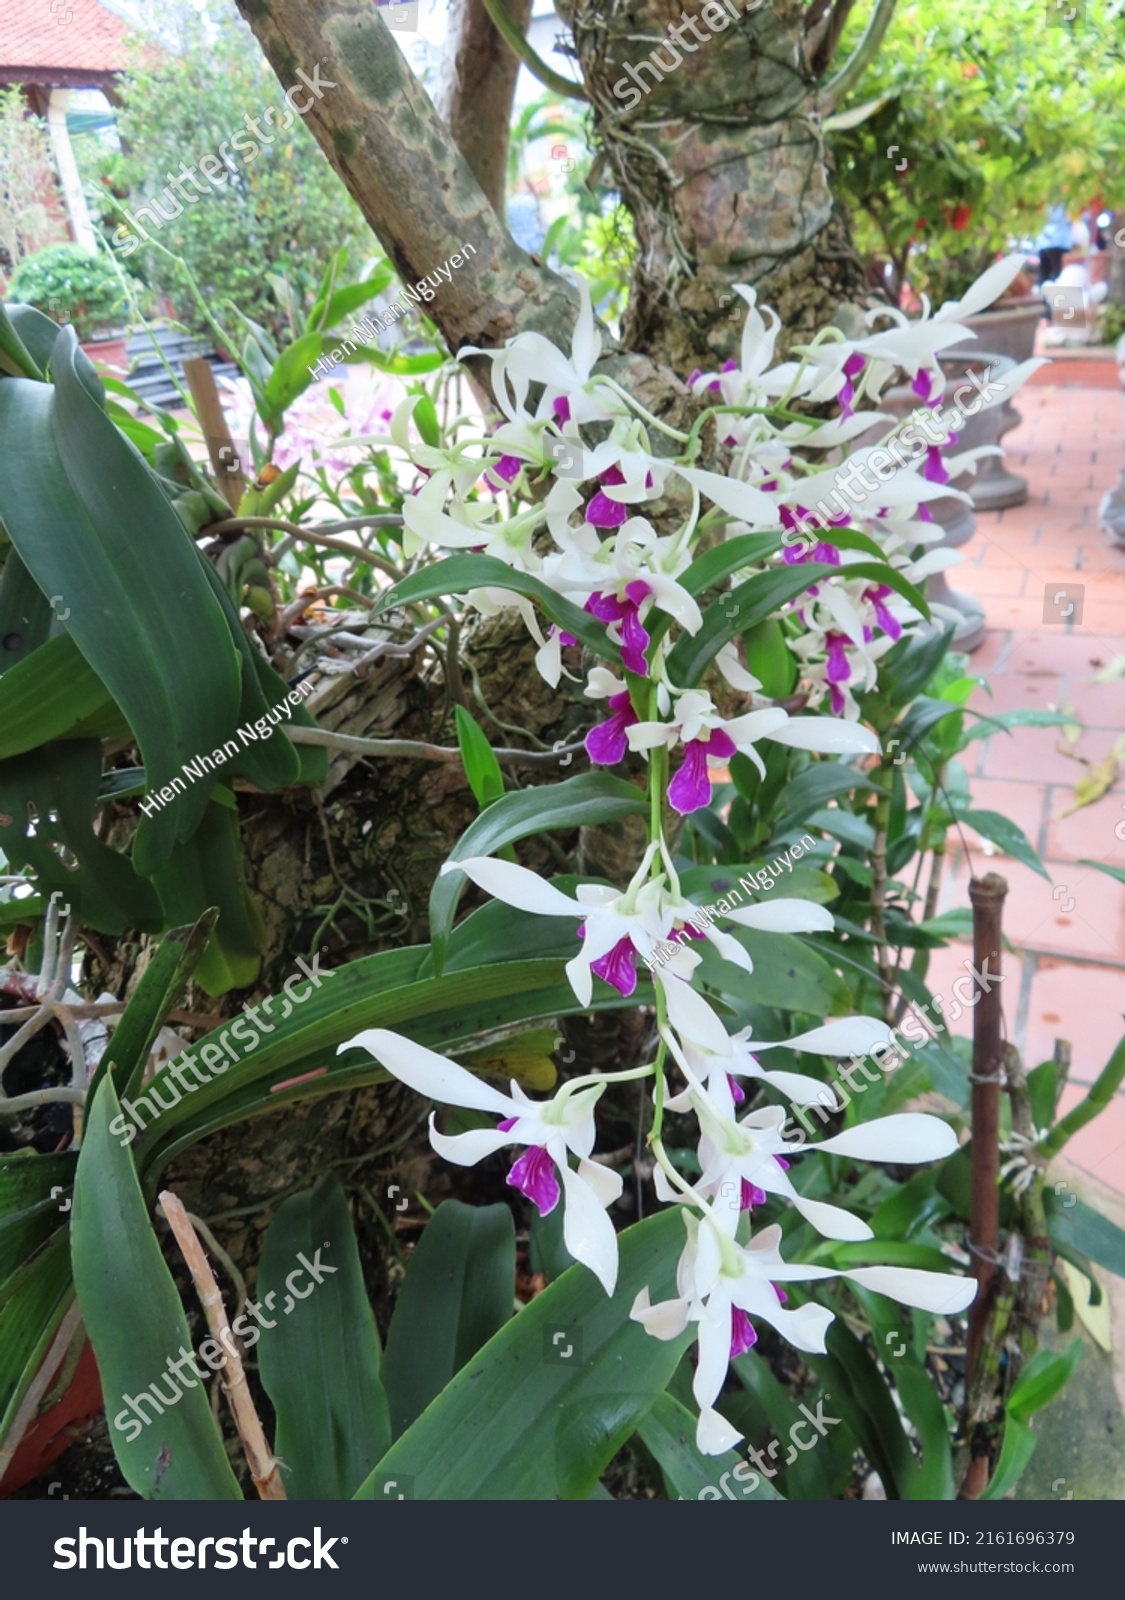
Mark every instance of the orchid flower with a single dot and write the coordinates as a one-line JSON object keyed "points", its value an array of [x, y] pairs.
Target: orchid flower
{"points": [[722, 1285], [615, 926], [549, 1128]]}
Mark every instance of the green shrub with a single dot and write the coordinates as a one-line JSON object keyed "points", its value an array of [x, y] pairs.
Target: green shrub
{"points": [[71, 285]]}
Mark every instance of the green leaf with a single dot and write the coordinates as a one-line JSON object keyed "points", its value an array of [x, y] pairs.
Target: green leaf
{"points": [[208, 871], [459, 1290], [46, 695], [481, 767], [457, 574], [161, 985], [525, 1420], [814, 787], [669, 1432], [788, 974], [743, 608], [1104, 866], [1011, 839], [47, 800], [590, 797], [136, 1326], [1045, 1376], [33, 1301], [1015, 1453], [15, 358], [770, 659], [29, 1212], [866, 1404], [731, 556], [1074, 1225], [320, 1362], [92, 525]]}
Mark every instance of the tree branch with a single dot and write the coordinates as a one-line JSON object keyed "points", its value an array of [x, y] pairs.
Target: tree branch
{"points": [[842, 82], [518, 42], [477, 89]]}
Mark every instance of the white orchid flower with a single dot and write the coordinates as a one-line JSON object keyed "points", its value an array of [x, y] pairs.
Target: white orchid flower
{"points": [[616, 926], [722, 1285], [754, 1151], [549, 1128]]}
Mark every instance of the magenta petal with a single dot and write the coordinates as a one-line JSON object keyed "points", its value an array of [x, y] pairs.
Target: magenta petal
{"points": [[742, 1334], [854, 365], [737, 1092], [634, 643], [782, 1163], [618, 966], [602, 512], [506, 1125], [534, 1176], [934, 470], [751, 1195], [561, 408], [839, 668], [606, 745], [782, 1297], [722, 745], [690, 789], [638, 591]]}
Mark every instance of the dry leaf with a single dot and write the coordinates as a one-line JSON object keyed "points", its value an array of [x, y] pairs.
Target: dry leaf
{"points": [[1098, 781]]}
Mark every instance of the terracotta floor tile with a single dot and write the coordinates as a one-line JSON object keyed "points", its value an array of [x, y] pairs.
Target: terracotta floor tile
{"points": [[1011, 691], [1089, 834], [1100, 1147], [947, 966], [1083, 1004], [1022, 803], [1080, 914], [1030, 753], [1100, 705]]}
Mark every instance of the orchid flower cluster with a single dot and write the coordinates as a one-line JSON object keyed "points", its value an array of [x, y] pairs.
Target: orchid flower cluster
{"points": [[616, 535]]}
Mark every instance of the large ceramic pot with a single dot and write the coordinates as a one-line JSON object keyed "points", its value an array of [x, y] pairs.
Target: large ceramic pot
{"points": [[1009, 330], [994, 486]]}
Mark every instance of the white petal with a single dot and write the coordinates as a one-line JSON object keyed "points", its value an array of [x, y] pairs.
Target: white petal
{"points": [[844, 1036], [988, 288], [666, 1320], [580, 978], [430, 1074], [741, 500], [714, 1435], [516, 886], [692, 1017], [831, 1221], [466, 1149], [785, 916], [714, 1350], [832, 735], [730, 949], [796, 1086], [605, 1183], [756, 725], [909, 1136], [587, 1231], [648, 735], [944, 1294]]}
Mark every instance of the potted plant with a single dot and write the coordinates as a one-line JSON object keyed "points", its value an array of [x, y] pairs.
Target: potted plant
{"points": [[69, 284]]}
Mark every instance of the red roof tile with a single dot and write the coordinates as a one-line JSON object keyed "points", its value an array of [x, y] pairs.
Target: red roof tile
{"points": [[42, 37]]}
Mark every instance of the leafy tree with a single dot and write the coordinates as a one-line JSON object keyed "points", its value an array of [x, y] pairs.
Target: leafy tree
{"points": [[279, 211], [976, 120], [26, 171]]}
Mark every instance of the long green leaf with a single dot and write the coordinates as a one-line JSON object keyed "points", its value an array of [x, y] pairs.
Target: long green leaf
{"points": [[540, 1412], [458, 1292], [136, 1326], [320, 1361], [457, 574], [590, 797], [34, 1301], [752, 602], [1010, 838], [669, 1432], [91, 525], [46, 695]]}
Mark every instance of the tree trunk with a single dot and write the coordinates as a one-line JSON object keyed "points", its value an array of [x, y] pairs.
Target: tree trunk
{"points": [[478, 84], [722, 163]]}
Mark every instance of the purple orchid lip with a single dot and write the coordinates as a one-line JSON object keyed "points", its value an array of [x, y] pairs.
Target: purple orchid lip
{"points": [[618, 966], [634, 637], [839, 667], [561, 408], [608, 743], [534, 1175], [690, 789], [507, 1125], [737, 1093], [743, 1336], [751, 1195]]}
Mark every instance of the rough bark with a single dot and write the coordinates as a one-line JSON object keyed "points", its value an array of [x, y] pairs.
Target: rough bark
{"points": [[476, 89], [723, 166]]}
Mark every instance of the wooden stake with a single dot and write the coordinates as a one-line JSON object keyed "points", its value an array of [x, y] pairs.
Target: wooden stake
{"points": [[225, 461], [259, 1456], [987, 898]]}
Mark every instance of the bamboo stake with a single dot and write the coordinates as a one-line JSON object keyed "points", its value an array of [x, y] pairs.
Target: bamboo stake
{"points": [[259, 1457], [225, 460], [987, 898]]}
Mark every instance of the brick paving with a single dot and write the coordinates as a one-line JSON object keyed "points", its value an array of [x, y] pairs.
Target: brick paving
{"points": [[1068, 979]]}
